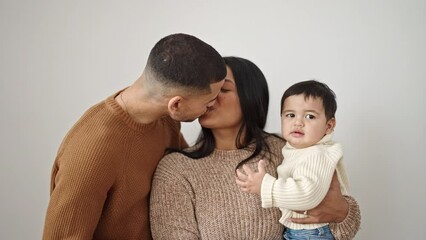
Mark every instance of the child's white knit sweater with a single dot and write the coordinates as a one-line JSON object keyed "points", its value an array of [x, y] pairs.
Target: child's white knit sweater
{"points": [[304, 179]]}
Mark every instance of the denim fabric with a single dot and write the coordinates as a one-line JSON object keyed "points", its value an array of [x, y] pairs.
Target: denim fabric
{"points": [[322, 233]]}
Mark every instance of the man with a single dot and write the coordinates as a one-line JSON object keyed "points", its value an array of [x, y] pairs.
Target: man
{"points": [[102, 174]]}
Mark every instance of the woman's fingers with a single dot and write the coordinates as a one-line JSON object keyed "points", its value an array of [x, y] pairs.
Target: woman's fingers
{"points": [[307, 220]]}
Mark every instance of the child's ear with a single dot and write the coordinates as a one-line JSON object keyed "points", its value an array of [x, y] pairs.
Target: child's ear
{"points": [[331, 123]]}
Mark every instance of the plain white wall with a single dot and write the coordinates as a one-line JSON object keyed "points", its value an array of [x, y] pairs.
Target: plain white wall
{"points": [[60, 57]]}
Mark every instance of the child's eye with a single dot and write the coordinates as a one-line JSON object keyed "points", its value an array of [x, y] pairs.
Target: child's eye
{"points": [[310, 116], [290, 115], [224, 90]]}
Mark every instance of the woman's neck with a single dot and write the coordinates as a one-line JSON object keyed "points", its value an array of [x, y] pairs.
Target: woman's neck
{"points": [[226, 139]]}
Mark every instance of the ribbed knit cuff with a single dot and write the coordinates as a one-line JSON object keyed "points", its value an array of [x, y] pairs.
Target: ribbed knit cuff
{"points": [[266, 190], [348, 228]]}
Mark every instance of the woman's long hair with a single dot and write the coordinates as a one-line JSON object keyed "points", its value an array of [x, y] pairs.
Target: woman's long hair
{"points": [[253, 93]]}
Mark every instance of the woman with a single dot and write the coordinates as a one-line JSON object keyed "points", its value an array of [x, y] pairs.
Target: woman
{"points": [[194, 194]]}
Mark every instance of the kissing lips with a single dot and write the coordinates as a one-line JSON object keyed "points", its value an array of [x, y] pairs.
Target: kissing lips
{"points": [[207, 112]]}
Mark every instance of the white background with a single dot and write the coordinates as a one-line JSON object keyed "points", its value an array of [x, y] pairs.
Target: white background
{"points": [[60, 57]]}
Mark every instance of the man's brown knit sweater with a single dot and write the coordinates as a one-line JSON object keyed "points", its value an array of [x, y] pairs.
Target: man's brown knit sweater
{"points": [[199, 199], [101, 177]]}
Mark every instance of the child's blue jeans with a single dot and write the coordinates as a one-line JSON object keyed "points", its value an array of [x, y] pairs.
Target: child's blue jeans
{"points": [[322, 233]]}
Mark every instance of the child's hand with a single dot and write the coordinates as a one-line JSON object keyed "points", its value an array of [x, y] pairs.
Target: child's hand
{"points": [[251, 181]]}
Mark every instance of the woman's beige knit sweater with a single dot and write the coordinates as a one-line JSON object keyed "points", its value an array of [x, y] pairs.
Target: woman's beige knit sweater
{"points": [[199, 199]]}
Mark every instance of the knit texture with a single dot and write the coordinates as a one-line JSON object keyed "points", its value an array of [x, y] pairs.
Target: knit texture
{"points": [[347, 229], [199, 199], [304, 179], [102, 175]]}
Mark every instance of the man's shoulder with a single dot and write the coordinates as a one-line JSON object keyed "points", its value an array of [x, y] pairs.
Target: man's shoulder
{"points": [[169, 122]]}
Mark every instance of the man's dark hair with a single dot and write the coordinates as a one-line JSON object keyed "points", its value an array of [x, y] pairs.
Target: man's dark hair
{"points": [[315, 89], [182, 60]]}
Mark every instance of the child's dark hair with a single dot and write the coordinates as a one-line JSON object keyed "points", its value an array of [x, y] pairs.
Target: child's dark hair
{"points": [[315, 89]]}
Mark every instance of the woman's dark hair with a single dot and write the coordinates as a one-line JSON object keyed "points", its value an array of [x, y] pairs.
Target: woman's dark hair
{"points": [[253, 93]]}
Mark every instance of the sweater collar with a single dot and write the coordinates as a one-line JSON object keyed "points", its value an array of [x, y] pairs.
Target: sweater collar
{"points": [[327, 139], [116, 109]]}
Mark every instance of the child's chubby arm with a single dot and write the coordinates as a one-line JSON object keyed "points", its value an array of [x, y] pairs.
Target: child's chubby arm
{"points": [[342, 212], [333, 208]]}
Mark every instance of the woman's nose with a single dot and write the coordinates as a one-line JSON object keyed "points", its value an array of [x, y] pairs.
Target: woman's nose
{"points": [[211, 104]]}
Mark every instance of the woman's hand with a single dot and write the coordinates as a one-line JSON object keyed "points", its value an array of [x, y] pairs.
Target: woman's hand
{"points": [[333, 207]]}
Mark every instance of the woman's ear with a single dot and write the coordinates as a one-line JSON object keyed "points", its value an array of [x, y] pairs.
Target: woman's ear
{"points": [[331, 123]]}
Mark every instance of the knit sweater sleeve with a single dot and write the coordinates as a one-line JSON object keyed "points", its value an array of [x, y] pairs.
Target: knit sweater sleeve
{"points": [[182, 142], [176, 126], [80, 184], [305, 188], [172, 214], [348, 228]]}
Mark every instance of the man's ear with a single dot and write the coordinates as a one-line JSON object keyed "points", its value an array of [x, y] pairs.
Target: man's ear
{"points": [[331, 123], [175, 106]]}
